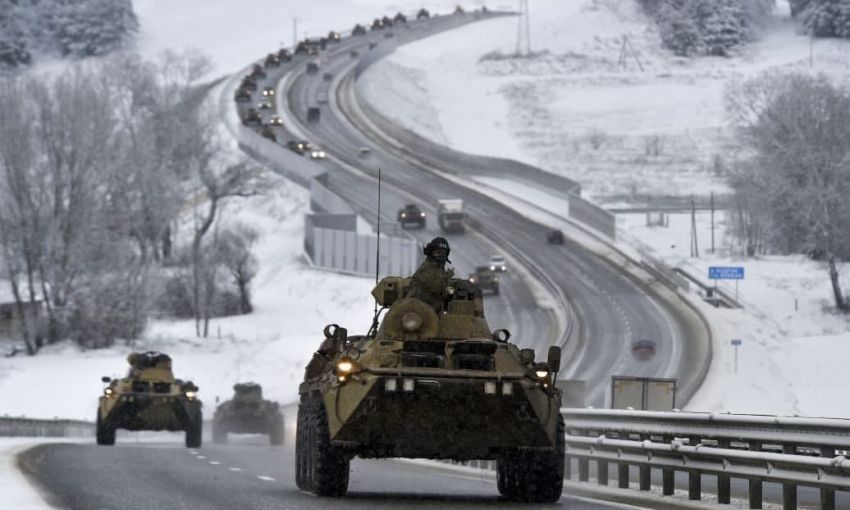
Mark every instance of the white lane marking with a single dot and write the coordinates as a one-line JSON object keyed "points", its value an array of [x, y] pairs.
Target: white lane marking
{"points": [[200, 457], [235, 469], [215, 462], [266, 478], [193, 452]]}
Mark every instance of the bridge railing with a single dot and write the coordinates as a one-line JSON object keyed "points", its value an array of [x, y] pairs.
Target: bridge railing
{"points": [[792, 451]]}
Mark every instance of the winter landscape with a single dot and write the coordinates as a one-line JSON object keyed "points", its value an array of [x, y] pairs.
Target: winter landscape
{"points": [[133, 219]]}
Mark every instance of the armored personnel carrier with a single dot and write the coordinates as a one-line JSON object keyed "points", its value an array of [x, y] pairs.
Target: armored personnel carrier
{"points": [[248, 413], [435, 385], [149, 398]]}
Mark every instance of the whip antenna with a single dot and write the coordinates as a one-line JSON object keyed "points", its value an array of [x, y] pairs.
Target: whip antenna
{"points": [[374, 329]]}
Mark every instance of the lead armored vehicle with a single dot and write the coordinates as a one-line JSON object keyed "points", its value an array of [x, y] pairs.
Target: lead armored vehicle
{"points": [[248, 413], [435, 385], [149, 398]]}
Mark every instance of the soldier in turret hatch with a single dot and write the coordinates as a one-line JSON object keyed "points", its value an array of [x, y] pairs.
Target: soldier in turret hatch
{"points": [[431, 281]]}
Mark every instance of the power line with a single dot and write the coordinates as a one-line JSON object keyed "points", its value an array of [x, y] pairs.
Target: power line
{"points": [[523, 33]]}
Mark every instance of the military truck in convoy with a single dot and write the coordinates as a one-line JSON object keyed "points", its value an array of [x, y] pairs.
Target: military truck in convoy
{"points": [[451, 216], [411, 215], [248, 413], [149, 398], [435, 385], [485, 279]]}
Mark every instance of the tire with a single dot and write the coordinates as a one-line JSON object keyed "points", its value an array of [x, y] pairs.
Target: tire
{"points": [[195, 430], [104, 434], [276, 431], [535, 477], [326, 466], [302, 479], [219, 433]]}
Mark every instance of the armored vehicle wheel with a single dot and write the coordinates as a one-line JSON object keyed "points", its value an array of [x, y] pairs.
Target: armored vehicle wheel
{"points": [[104, 434], [325, 466], [219, 434], [194, 430], [302, 467], [276, 432], [533, 476]]}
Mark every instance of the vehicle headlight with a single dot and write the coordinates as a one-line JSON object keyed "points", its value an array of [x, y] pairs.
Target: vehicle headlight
{"points": [[321, 154], [404, 215], [422, 214], [314, 154], [411, 321], [492, 268], [472, 280], [541, 370], [191, 395], [344, 367], [108, 392]]}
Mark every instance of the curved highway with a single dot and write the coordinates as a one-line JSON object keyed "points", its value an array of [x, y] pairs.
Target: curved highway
{"points": [[610, 307]]}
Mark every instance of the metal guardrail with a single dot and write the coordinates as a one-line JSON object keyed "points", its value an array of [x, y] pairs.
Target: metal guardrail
{"points": [[792, 451], [29, 427]]}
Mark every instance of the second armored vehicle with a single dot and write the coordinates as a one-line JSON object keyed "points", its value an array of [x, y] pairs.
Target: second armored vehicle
{"points": [[434, 384], [248, 413], [149, 398]]}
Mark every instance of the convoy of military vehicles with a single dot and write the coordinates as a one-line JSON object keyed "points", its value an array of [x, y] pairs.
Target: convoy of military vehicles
{"points": [[423, 382]]}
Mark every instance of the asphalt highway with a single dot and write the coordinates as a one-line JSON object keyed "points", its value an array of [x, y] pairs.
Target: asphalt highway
{"points": [[246, 474]]}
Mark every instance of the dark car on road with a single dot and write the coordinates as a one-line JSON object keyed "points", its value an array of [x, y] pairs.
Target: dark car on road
{"points": [[555, 237], [411, 215], [257, 72], [267, 132], [423, 14], [242, 95], [314, 114], [485, 279], [252, 118], [643, 349], [312, 67], [298, 146], [284, 55], [272, 60], [358, 30]]}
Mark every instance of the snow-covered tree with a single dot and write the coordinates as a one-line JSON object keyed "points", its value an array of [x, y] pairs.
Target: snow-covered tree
{"points": [[724, 27], [797, 126]]}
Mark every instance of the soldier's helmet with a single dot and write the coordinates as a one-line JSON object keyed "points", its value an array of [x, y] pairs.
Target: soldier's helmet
{"points": [[438, 250]]}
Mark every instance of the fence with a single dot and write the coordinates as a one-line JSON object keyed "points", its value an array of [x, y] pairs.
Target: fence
{"points": [[28, 427], [791, 451]]}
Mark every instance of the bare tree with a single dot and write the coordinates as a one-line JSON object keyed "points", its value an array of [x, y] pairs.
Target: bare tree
{"points": [[797, 127], [234, 249]]}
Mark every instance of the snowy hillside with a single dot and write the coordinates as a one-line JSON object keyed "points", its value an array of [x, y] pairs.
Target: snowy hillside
{"points": [[622, 123]]}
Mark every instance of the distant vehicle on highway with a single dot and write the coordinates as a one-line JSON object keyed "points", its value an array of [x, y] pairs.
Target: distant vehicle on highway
{"points": [[252, 118], [450, 215], [327, 76], [242, 95], [459, 9], [354, 53], [400, 18], [485, 279], [555, 237], [423, 14], [272, 60], [317, 153], [643, 349], [377, 24], [268, 132], [268, 91], [312, 67], [249, 84], [333, 36], [284, 55], [411, 215], [314, 114], [264, 105], [497, 264], [248, 413], [257, 72], [275, 120], [298, 146], [388, 22], [322, 97], [358, 30]]}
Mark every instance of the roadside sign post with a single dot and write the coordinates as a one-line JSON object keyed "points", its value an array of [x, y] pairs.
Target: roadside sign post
{"points": [[726, 273], [736, 342]]}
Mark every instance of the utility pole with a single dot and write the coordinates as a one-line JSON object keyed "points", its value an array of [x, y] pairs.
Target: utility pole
{"points": [[523, 33], [694, 241], [294, 32], [712, 223]]}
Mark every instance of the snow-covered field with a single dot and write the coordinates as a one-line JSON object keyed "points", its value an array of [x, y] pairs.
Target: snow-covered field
{"points": [[649, 124]]}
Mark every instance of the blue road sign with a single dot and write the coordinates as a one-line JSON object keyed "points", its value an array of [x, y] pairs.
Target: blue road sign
{"points": [[737, 341], [726, 273]]}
